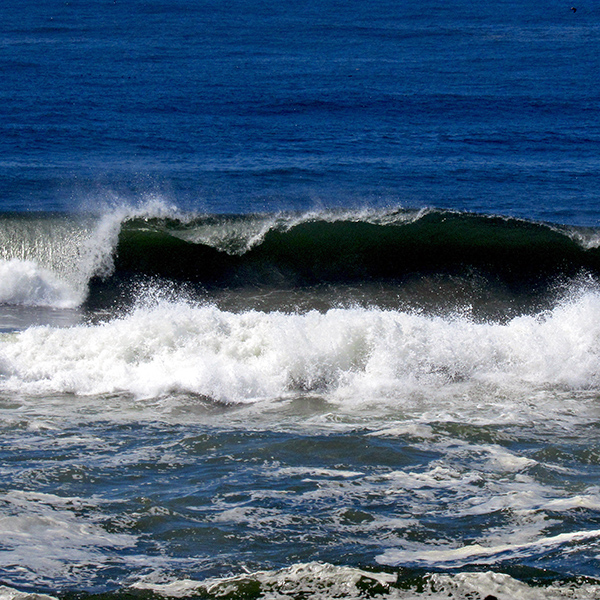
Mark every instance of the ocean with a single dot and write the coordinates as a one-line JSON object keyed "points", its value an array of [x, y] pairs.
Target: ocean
{"points": [[299, 300]]}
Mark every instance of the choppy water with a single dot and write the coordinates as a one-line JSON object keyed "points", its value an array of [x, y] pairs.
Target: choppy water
{"points": [[293, 421], [299, 301]]}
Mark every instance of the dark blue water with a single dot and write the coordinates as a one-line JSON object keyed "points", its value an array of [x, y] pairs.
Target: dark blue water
{"points": [[238, 106], [299, 300]]}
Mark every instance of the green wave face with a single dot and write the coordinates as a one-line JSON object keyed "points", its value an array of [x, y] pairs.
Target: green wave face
{"points": [[244, 250], [437, 259]]}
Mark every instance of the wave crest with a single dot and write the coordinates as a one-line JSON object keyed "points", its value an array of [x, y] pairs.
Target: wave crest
{"points": [[322, 581]]}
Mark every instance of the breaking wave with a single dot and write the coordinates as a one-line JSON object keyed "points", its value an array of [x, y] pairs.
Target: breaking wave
{"points": [[177, 347], [66, 260]]}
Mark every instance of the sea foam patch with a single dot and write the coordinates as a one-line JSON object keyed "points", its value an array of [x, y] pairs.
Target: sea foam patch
{"points": [[480, 554], [8, 593], [47, 538]]}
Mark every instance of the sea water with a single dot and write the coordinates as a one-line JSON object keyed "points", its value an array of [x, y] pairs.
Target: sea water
{"points": [[299, 300]]}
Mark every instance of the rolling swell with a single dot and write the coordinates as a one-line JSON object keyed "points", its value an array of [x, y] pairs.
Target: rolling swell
{"points": [[316, 251]]}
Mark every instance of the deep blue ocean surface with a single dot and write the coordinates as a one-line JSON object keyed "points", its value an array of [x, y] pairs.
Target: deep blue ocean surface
{"points": [[299, 300], [263, 106]]}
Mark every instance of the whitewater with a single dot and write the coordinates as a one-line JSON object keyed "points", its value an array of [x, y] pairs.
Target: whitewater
{"points": [[350, 334], [294, 429], [352, 353]]}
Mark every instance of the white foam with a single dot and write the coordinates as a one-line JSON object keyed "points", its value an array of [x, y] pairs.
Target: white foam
{"points": [[479, 554], [317, 472], [324, 581], [410, 429], [351, 356], [50, 261], [316, 579], [25, 283], [7, 593], [587, 501], [471, 585], [44, 534]]}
